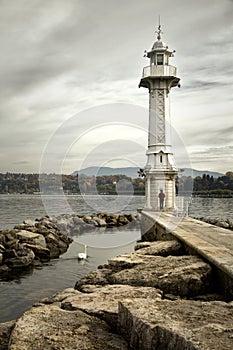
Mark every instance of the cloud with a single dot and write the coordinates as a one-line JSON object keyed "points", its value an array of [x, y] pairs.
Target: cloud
{"points": [[214, 156], [61, 57], [201, 84], [21, 162]]}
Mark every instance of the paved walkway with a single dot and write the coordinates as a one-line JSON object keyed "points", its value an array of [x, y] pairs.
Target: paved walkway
{"points": [[213, 243]]}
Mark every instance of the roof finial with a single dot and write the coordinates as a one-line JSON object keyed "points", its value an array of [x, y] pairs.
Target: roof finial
{"points": [[159, 31]]}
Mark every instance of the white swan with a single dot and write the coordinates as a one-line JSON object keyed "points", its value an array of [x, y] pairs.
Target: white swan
{"points": [[83, 256]]}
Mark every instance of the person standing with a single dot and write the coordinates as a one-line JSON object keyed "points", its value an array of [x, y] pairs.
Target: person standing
{"points": [[161, 199]]}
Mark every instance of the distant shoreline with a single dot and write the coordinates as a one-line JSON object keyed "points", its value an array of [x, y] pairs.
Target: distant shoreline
{"points": [[186, 194], [205, 186]]}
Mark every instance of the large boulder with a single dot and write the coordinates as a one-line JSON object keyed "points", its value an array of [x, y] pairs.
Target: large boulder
{"points": [[43, 254], [77, 220], [100, 222], [50, 327], [162, 248], [90, 221], [56, 244], [174, 325], [29, 222], [10, 253], [44, 230], [31, 237], [62, 225], [96, 277], [12, 244], [25, 227], [103, 301], [39, 239], [9, 235], [180, 275], [131, 217], [111, 220], [184, 276], [127, 261], [122, 220], [24, 258]]}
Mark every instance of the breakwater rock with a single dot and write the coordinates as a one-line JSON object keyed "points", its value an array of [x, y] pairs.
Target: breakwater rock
{"points": [[225, 223], [176, 325], [37, 241], [75, 224], [31, 243], [178, 275], [154, 298]]}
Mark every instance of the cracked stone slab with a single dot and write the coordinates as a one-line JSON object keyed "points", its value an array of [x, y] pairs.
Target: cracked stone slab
{"points": [[176, 325], [49, 327], [162, 248], [178, 275], [103, 301]]}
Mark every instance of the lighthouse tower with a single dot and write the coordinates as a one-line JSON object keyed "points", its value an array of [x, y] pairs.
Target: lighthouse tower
{"points": [[160, 171]]}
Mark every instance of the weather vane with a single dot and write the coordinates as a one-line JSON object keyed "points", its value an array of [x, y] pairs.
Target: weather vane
{"points": [[159, 31]]}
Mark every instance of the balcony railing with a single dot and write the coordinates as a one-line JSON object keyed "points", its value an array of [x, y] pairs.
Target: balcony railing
{"points": [[159, 71]]}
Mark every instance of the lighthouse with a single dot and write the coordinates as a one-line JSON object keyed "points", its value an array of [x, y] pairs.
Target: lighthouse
{"points": [[160, 170]]}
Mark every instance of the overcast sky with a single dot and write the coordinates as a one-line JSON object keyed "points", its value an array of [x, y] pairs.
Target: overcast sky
{"points": [[70, 71]]}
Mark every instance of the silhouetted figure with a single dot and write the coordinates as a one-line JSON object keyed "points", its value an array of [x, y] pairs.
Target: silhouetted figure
{"points": [[161, 199]]}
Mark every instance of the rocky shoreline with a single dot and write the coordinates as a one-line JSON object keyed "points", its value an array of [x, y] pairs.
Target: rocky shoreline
{"points": [[30, 244], [155, 297], [35, 242], [224, 223]]}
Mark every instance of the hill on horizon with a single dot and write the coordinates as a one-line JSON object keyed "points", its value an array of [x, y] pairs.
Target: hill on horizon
{"points": [[107, 171], [133, 172]]}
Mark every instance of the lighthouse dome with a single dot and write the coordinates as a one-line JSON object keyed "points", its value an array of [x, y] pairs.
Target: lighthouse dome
{"points": [[158, 45]]}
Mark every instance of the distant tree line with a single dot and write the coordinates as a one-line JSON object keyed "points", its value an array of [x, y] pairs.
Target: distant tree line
{"points": [[207, 185], [222, 185], [53, 183], [112, 184]]}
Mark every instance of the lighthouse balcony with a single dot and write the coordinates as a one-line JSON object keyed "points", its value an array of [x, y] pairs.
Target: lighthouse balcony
{"points": [[159, 71]]}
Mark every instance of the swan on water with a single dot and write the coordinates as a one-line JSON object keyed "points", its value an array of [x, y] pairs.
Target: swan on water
{"points": [[83, 256]]}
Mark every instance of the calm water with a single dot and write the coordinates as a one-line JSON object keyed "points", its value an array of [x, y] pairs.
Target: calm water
{"points": [[212, 207], [19, 294]]}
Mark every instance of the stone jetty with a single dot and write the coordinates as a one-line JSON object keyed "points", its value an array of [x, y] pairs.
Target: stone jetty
{"points": [[157, 297]]}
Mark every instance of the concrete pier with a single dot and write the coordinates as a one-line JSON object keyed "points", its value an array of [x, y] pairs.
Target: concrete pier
{"points": [[214, 244]]}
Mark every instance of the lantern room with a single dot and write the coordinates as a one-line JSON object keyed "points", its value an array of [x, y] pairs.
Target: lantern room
{"points": [[159, 54]]}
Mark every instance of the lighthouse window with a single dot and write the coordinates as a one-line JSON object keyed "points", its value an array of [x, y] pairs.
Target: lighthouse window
{"points": [[153, 59], [161, 159], [159, 59]]}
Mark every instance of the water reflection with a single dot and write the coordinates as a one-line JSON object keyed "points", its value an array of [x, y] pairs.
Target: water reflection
{"points": [[17, 274]]}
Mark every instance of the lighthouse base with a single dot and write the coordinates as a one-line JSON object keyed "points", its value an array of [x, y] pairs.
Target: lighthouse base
{"points": [[160, 190]]}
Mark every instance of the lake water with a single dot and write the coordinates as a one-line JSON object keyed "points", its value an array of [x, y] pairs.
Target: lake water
{"points": [[19, 294]]}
